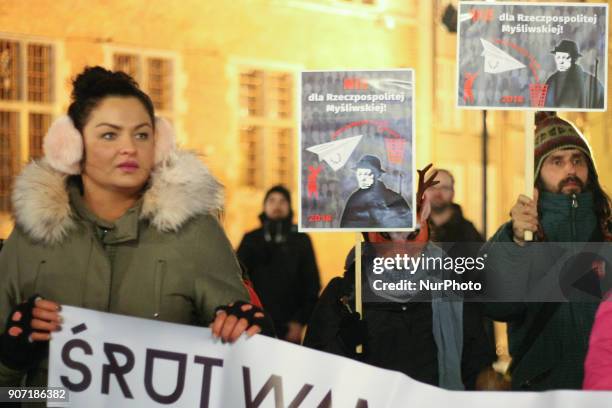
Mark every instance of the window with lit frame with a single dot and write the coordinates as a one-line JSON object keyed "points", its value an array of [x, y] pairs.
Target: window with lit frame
{"points": [[27, 102], [267, 128], [154, 73]]}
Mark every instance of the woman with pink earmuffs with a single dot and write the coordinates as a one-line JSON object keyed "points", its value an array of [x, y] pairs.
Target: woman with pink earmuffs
{"points": [[115, 218]]}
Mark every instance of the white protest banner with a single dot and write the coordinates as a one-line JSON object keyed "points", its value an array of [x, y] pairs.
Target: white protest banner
{"points": [[531, 56], [107, 360], [119, 361], [356, 151]]}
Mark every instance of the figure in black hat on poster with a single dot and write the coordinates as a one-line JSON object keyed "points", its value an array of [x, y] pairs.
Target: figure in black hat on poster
{"points": [[570, 86], [373, 205]]}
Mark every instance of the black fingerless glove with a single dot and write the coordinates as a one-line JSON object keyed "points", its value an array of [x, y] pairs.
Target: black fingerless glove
{"points": [[265, 322], [352, 333], [16, 350]]}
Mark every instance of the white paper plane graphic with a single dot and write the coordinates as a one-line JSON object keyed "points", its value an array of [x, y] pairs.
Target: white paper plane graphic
{"points": [[465, 17], [497, 60], [336, 153]]}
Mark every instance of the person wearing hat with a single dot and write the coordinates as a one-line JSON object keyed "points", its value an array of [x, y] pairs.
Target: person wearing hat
{"points": [[570, 86], [282, 266], [373, 205], [431, 340], [548, 341]]}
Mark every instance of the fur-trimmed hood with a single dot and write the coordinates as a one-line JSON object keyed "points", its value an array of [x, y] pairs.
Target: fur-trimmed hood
{"points": [[180, 188]]}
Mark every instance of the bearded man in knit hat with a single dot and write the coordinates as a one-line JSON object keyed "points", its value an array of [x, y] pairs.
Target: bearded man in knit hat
{"points": [[549, 341]]}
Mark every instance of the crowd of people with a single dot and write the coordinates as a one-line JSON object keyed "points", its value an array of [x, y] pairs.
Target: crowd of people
{"points": [[116, 218]]}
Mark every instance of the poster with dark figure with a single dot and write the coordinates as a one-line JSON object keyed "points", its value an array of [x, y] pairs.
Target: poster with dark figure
{"points": [[373, 204], [357, 151], [529, 56], [570, 85]]}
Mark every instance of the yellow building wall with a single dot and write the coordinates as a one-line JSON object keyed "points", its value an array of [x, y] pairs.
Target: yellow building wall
{"points": [[211, 39]]}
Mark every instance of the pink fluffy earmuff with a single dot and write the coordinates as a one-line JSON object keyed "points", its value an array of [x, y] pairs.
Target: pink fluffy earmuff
{"points": [[63, 144]]}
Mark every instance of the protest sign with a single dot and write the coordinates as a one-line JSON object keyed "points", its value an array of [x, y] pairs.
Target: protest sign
{"points": [[107, 360], [356, 153], [536, 56]]}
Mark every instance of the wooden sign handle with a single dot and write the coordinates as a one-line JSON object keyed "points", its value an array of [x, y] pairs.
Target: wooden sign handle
{"points": [[358, 301], [529, 162]]}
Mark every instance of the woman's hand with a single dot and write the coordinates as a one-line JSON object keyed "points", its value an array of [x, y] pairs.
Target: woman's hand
{"points": [[233, 320], [45, 319], [28, 328]]}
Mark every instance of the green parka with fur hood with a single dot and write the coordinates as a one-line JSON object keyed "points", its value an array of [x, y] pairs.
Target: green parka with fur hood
{"points": [[166, 258]]}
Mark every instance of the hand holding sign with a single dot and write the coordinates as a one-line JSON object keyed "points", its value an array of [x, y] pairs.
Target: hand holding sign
{"points": [[29, 322], [524, 216], [45, 319], [233, 320]]}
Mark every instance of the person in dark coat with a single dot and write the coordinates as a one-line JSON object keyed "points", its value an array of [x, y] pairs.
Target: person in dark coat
{"points": [[548, 341], [448, 222], [570, 86], [282, 266], [430, 341], [373, 204]]}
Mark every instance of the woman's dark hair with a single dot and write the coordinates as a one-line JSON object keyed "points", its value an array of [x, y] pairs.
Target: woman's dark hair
{"points": [[96, 83]]}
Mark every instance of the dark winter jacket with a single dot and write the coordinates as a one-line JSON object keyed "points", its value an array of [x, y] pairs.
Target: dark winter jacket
{"points": [[399, 335], [282, 266], [556, 355], [458, 237], [456, 229], [158, 261]]}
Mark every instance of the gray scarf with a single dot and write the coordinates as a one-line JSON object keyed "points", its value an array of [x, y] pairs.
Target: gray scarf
{"points": [[447, 330]]}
